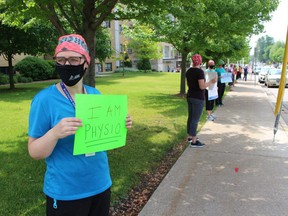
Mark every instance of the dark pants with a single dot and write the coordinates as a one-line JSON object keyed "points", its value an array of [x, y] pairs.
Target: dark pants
{"points": [[221, 90], [209, 103], [238, 75], [97, 205], [195, 108], [245, 76]]}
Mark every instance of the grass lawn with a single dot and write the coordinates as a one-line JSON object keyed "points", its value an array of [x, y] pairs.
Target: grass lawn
{"points": [[159, 122]]}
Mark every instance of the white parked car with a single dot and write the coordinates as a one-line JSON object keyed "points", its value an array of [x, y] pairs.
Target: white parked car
{"points": [[262, 74], [273, 77], [257, 70]]}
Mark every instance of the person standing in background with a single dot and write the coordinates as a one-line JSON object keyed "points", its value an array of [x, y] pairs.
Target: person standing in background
{"points": [[209, 103], [195, 98], [245, 73], [234, 74], [221, 86]]}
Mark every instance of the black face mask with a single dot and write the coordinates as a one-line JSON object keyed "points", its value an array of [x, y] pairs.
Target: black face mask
{"points": [[70, 74], [211, 66]]}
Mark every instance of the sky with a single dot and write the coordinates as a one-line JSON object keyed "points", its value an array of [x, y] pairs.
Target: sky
{"points": [[276, 27]]}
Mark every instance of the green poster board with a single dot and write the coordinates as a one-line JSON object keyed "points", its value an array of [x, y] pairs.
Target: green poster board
{"points": [[104, 122]]}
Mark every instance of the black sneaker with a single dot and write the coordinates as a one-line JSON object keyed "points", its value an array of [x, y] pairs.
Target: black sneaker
{"points": [[197, 144]]}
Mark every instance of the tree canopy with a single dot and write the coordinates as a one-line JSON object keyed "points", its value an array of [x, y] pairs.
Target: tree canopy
{"points": [[215, 29], [82, 17], [32, 40]]}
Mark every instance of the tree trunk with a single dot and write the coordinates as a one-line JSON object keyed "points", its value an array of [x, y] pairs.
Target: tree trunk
{"points": [[11, 72], [183, 72], [89, 36]]}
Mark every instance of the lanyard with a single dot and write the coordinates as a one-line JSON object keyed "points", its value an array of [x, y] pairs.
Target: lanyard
{"points": [[65, 90]]}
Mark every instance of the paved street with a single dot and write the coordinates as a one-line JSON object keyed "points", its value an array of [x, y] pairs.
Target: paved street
{"points": [[272, 94]]}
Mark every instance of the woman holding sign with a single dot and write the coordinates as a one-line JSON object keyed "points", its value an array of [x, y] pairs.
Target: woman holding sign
{"points": [[195, 98], [74, 185], [209, 103], [221, 86]]}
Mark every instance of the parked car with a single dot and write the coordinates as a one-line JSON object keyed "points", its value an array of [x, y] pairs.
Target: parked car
{"points": [[257, 70], [273, 77], [262, 74]]}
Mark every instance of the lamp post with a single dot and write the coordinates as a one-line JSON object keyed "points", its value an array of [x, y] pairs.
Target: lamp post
{"points": [[255, 62]]}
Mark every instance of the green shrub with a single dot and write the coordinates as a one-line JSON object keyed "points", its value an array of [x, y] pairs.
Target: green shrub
{"points": [[25, 79], [17, 78], [4, 79], [35, 68], [127, 63], [54, 74], [144, 64]]}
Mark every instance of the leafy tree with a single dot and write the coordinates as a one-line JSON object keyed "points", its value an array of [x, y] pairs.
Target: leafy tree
{"points": [[262, 44], [16, 41], [267, 54], [277, 52], [82, 17], [144, 64], [103, 47], [143, 44], [210, 29]]}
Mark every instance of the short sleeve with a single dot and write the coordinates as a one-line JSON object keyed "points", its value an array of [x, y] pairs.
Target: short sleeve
{"points": [[39, 123]]}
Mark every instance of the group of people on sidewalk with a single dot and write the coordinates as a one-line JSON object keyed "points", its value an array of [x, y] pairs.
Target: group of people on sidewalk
{"points": [[198, 92]]}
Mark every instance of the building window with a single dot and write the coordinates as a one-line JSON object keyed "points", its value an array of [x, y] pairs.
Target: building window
{"points": [[108, 67], [106, 24], [99, 67], [166, 51], [129, 51]]}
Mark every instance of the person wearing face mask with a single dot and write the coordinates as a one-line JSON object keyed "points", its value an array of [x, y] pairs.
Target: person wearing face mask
{"points": [[209, 103], [221, 86], [195, 98], [74, 185]]}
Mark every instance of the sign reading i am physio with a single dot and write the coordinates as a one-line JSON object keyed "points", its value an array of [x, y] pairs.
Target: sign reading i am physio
{"points": [[104, 122]]}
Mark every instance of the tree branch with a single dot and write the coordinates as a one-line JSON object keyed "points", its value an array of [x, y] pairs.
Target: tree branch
{"points": [[53, 17], [69, 18], [100, 13]]}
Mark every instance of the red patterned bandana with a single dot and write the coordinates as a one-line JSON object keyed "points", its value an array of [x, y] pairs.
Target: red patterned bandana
{"points": [[73, 42], [196, 59]]}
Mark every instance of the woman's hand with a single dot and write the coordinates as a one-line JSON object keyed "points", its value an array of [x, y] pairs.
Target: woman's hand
{"points": [[66, 127], [128, 121], [212, 81]]}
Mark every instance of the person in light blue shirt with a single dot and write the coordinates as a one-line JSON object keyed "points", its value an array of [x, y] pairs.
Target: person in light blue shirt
{"points": [[210, 103], [74, 185], [221, 86]]}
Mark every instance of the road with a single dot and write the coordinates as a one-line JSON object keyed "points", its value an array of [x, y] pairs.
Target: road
{"points": [[272, 94]]}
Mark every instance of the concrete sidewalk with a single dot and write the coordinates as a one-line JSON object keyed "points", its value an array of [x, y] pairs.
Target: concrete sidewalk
{"points": [[240, 171]]}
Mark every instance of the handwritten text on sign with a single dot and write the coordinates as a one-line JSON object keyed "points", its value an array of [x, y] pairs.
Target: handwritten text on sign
{"points": [[103, 118], [226, 77]]}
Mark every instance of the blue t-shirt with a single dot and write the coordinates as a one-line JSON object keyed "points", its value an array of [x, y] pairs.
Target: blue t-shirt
{"points": [[67, 177], [219, 72]]}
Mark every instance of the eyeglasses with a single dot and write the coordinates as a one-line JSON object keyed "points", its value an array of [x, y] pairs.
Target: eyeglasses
{"points": [[72, 60]]}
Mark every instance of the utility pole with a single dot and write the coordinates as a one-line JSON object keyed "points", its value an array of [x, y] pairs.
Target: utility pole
{"points": [[254, 64]]}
